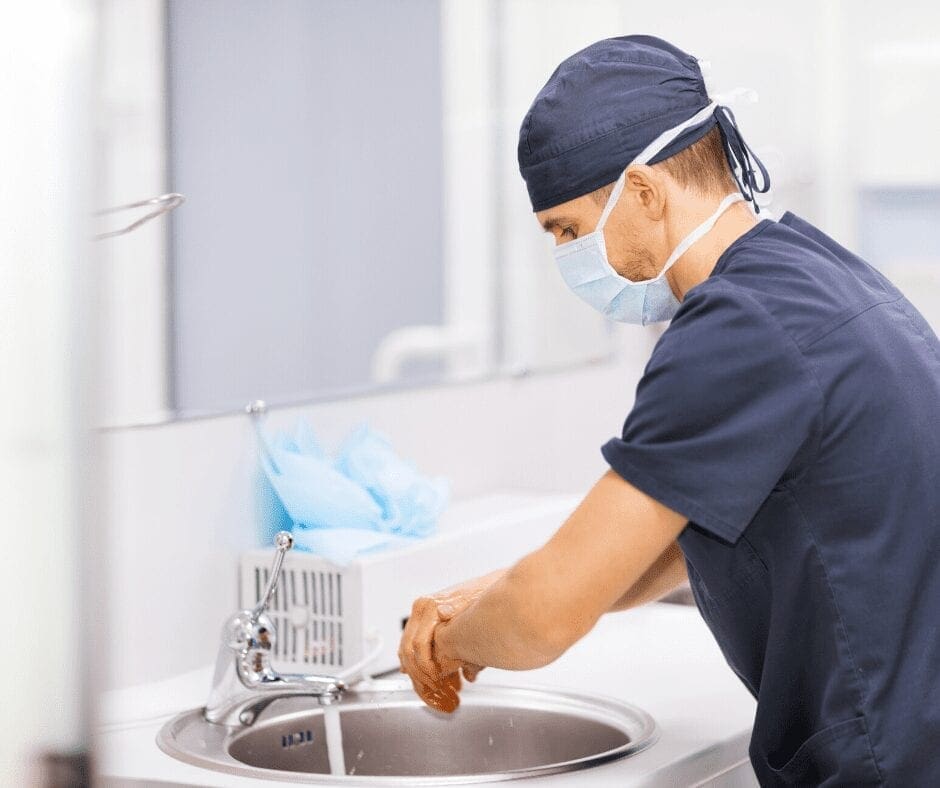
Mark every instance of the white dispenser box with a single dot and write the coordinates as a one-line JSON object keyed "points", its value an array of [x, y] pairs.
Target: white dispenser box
{"points": [[325, 613]]}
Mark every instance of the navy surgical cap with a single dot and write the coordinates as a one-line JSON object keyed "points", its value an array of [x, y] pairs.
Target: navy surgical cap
{"points": [[603, 105]]}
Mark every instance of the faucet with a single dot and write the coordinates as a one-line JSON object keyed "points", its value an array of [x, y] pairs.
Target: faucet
{"points": [[245, 682]]}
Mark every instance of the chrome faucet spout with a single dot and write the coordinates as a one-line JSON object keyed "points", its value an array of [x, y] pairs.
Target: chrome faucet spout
{"points": [[245, 681]]}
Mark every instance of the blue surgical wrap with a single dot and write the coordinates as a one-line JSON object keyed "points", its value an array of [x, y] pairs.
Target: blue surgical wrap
{"points": [[603, 105], [364, 500]]}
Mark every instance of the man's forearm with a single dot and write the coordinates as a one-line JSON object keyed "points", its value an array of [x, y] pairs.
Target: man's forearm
{"points": [[503, 629], [666, 573], [555, 595]]}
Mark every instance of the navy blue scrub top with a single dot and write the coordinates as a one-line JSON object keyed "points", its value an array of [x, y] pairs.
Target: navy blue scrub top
{"points": [[791, 411]]}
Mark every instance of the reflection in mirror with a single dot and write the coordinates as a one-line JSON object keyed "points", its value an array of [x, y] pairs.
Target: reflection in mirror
{"points": [[355, 219]]}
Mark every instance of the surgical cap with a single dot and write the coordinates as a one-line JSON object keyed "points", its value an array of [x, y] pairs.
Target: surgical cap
{"points": [[603, 105]]}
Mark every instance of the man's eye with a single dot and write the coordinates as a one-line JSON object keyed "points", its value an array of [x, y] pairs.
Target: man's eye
{"points": [[567, 232]]}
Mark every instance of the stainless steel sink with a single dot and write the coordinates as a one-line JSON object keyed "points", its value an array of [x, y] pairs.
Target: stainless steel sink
{"points": [[391, 738]]}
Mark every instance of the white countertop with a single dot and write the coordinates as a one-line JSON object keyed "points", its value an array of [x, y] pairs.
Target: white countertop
{"points": [[660, 657]]}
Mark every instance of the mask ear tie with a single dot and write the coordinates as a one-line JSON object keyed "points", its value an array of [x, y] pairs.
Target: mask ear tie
{"points": [[612, 200]]}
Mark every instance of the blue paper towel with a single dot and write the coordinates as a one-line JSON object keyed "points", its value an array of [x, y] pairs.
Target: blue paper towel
{"points": [[365, 500]]}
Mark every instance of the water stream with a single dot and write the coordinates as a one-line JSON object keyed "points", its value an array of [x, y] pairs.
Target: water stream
{"points": [[334, 739]]}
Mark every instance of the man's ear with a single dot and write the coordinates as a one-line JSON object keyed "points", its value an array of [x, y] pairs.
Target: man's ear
{"points": [[648, 188]]}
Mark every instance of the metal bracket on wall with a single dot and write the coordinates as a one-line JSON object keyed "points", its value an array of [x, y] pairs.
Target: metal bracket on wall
{"points": [[164, 204]]}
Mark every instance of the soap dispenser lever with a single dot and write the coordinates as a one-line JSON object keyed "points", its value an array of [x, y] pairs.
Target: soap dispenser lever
{"points": [[245, 681]]}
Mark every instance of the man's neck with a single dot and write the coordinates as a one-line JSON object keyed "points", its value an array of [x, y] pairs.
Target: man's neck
{"points": [[699, 261]]}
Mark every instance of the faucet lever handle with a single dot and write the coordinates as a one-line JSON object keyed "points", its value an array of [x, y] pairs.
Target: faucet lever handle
{"points": [[283, 541]]}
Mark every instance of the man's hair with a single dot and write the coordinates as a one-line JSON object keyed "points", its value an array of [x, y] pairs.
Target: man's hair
{"points": [[702, 167]]}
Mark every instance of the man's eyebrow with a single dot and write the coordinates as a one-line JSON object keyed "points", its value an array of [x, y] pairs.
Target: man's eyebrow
{"points": [[550, 224]]}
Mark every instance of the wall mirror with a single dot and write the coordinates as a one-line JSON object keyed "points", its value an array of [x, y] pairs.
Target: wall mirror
{"points": [[354, 218]]}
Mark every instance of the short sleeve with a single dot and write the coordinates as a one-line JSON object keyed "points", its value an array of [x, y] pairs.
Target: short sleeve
{"points": [[724, 406]]}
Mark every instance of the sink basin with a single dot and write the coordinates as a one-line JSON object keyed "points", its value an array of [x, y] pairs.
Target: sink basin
{"points": [[390, 737]]}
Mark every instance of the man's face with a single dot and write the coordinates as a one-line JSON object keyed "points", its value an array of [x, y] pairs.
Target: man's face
{"points": [[628, 233]]}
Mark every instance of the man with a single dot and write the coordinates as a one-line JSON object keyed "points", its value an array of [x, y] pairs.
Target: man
{"points": [[781, 451]]}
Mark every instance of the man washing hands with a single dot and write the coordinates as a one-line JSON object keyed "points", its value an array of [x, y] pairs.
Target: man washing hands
{"points": [[780, 453]]}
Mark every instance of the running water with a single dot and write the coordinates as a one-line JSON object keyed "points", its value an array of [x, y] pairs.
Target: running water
{"points": [[334, 739]]}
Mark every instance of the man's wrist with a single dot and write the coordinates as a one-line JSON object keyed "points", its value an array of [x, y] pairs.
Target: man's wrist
{"points": [[445, 647]]}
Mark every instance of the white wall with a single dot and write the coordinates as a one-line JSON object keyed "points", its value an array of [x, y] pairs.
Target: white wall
{"points": [[131, 166], [44, 260]]}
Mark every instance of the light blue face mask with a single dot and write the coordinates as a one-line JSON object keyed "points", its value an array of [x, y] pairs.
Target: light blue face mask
{"points": [[584, 266]]}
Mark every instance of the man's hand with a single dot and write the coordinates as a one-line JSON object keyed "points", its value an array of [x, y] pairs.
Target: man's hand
{"points": [[438, 685], [532, 613]]}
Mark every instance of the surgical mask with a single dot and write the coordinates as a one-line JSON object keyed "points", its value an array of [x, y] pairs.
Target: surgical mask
{"points": [[586, 270]]}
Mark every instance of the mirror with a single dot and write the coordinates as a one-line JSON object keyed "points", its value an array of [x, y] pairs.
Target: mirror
{"points": [[354, 217]]}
